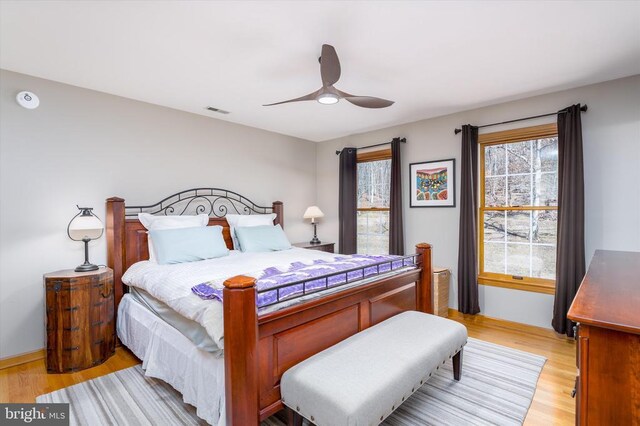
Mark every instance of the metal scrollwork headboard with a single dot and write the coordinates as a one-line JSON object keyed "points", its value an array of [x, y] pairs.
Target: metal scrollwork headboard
{"points": [[214, 202], [127, 237]]}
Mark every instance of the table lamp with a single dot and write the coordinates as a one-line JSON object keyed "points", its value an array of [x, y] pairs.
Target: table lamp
{"points": [[314, 213], [85, 226]]}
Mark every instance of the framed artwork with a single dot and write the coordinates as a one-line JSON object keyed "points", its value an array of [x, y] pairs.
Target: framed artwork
{"points": [[432, 183]]}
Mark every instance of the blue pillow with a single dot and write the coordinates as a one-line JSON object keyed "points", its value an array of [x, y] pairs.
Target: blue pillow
{"points": [[262, 238], [188, 244]]}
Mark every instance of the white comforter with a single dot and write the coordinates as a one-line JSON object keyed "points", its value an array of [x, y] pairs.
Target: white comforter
{"points": [[172, 284]]}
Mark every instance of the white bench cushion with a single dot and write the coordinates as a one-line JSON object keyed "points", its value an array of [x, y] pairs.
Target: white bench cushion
{"points": [[362, 379]]}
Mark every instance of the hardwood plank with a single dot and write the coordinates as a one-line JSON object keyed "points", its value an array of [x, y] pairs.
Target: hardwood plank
{"points": [[22, 359]]}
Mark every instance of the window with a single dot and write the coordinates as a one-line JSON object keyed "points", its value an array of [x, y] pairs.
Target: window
{"points": [[519, 208], [374, 185]]}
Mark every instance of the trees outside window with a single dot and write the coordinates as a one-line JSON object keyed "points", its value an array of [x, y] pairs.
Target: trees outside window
{"points": [[374, 188], [518, 209]]}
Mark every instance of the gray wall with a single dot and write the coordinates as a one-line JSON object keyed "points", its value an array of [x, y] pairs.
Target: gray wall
{"points": [[82, 146], [611, 133]]}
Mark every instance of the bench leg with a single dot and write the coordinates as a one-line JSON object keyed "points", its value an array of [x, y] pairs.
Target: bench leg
{"points": [[457, 365], [293, 418]]}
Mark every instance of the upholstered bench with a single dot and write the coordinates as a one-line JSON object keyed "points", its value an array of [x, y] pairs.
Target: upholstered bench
{"points": [[363, 379]]}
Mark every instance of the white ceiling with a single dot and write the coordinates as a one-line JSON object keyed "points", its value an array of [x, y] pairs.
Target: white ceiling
{"points": [[432, 58]]}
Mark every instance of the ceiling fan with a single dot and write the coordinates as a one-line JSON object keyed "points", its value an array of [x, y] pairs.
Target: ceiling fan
{"points": [[327, 94]]}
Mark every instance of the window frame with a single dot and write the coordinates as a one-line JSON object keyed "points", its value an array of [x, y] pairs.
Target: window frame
{"points": [[365, 157], [537, 285]]}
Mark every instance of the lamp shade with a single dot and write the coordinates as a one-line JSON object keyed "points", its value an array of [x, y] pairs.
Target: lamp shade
{"points": [[85, 225], [313, 212]]}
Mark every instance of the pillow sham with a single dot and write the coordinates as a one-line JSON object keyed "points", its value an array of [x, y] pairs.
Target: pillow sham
{"points": [[152, 222], [247, 220], [181, 245], [262, 238]]}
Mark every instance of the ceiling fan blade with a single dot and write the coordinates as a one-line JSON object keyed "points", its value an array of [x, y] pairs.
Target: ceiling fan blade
{"points": [[329, 65], [309, 97], [369, 101]]}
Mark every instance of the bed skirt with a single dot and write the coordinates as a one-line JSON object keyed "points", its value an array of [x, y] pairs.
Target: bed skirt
{"points": [[168, 355]]}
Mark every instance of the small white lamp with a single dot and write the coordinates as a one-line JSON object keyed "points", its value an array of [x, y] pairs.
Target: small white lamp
{"points": [[85, 226], [313, 213]]}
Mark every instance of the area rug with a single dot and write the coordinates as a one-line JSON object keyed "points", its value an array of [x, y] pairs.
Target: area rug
{"points": [[496, 388]]}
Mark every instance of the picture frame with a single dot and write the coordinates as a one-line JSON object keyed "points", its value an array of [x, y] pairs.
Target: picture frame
{"points": [[433, 183]]}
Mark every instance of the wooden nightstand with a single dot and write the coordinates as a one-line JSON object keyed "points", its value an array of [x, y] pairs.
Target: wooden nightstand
{"points": [[79, 319], [328, 247]]}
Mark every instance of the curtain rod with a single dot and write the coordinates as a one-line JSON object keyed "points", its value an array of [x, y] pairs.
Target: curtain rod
{"points": [[403, 140], [583, 108]]}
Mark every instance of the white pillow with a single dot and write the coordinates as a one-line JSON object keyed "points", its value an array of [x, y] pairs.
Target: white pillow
{"points": [[155, 223], [247, 220]]}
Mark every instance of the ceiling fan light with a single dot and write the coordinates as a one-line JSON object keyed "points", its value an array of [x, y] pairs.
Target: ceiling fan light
{"points": [[328, 99]]}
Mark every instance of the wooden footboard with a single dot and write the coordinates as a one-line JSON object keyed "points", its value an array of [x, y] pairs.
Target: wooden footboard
{"points": [[259, 349]]}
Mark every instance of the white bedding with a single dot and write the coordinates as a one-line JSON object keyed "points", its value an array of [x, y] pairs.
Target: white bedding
{"points": [[172, 284], [168, 355]]}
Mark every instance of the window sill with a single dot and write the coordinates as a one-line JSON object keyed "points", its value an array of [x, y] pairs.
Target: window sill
{"points": [[541, 286]]}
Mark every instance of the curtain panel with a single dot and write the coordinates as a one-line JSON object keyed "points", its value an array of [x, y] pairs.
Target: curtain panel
{"points": [[468, 232], [570, 259], [396, 228], [347, 203]]}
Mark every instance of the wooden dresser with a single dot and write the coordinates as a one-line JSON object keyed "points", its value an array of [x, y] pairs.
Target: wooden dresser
{"points": [[79, 319], [607, 310]]}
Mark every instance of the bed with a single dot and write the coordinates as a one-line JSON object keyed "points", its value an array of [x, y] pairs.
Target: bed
{"points": [[259, 345]]}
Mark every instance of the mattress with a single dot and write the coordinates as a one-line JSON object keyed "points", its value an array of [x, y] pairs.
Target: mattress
{"points": [[190, 329], [168, 355]]}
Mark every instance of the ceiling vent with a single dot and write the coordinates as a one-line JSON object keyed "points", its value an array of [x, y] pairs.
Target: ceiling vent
{"points": [[218, 110]]}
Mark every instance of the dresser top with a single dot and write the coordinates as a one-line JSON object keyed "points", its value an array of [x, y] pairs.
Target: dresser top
{"points": [[609, 295]]}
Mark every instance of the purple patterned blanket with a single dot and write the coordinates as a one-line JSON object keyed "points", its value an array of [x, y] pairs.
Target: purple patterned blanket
{"points": [[318, 276]]}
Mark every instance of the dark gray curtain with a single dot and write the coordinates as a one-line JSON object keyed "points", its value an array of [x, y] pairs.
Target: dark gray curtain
{"points": [[467, 247], [396, 230], [570, 263], [347, 201]]}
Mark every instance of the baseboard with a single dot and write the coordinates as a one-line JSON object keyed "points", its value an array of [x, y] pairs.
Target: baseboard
{"points": [[511, 325], [12, 361]]}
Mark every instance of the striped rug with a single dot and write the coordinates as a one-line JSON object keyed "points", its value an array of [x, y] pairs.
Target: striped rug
{"points": [[496, 388]]}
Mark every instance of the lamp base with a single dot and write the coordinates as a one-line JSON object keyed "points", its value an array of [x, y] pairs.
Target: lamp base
{"points": [[315, 234], [87, 267]]}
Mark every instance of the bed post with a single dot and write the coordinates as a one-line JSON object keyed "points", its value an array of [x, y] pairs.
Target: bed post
{"points": [[115, 244], [423, 299], [278, 209], [241, 351]]}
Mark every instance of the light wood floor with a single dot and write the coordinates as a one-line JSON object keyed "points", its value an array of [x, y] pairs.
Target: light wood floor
{"points": [[552, 403]]}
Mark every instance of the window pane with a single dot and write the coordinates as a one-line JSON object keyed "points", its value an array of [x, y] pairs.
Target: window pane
{"points": [[494, 257], [494, 229], [544, 262], [518, 259], [373, 232], [544, 226], [495, 194], [519, 157], [374, 183], [545, 153], [519, 190], [518, 226], [495, 160], [545, 189]]}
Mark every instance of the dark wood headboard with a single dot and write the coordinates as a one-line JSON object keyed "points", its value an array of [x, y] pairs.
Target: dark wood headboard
{"points": [[127, 237]]}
